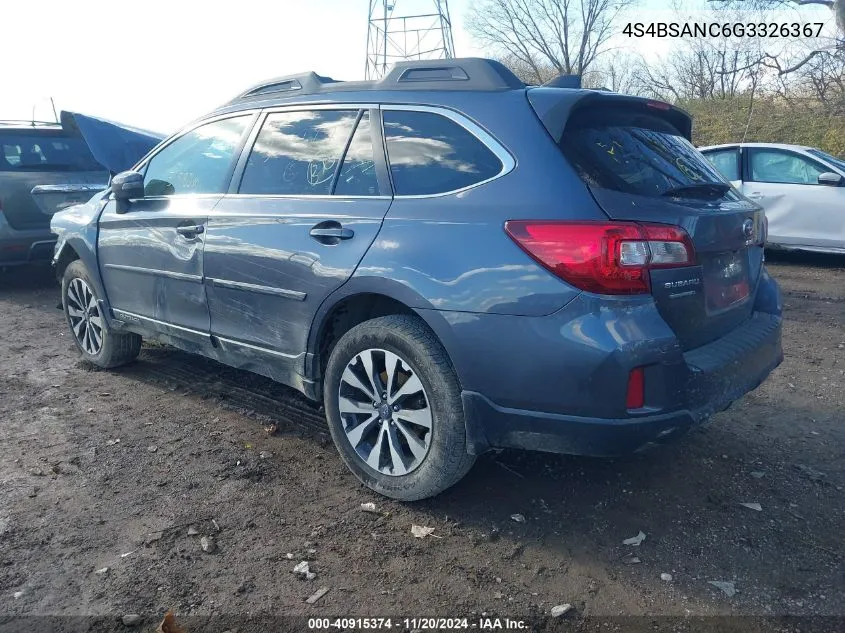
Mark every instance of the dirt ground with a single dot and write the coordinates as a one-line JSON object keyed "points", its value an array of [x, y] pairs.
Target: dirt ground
{"points": [[110, 470]]}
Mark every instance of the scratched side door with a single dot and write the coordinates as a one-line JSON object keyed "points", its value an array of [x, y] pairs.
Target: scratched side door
{"points": [[306, 203], [151, 255]]}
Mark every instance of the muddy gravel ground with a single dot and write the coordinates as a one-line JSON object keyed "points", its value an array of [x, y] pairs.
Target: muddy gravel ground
{"points": [[109, 479]]}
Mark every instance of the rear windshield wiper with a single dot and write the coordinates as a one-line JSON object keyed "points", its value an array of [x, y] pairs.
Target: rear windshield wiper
{"points": [[698, 190]]}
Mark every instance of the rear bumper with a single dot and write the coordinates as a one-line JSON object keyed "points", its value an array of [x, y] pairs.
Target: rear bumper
{"points": [[24, 246], [707, 381], [17, 251]]}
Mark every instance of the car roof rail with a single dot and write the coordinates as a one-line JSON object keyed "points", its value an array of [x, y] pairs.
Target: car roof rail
{"points": [[305, 83], [468, 73]]}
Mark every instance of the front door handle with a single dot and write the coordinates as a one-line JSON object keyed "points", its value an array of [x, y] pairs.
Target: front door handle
{"points": [[190, 231], [331, 232], [755, 195]]}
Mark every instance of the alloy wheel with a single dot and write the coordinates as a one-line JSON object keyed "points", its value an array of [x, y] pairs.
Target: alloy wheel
{"points": [[86, 322], [385, 412]]}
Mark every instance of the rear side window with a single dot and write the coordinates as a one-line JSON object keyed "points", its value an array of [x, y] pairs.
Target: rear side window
{"points": [[198, 161], [45, 152], [726, 161], [625, 149], [298, 153], [431, 154]]}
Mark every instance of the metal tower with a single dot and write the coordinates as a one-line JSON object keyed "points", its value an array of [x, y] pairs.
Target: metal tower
{"points": [[394, 36]]}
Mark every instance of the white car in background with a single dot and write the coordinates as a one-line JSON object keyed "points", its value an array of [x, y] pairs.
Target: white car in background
{"points": [[801, 189]]}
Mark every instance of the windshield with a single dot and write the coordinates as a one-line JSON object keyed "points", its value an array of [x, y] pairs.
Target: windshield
{"points": [[24, 151], [626, 149], [836, 162]]}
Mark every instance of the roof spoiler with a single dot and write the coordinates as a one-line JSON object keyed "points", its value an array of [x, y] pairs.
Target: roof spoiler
{"points": [[554, 107], [467, 73]]}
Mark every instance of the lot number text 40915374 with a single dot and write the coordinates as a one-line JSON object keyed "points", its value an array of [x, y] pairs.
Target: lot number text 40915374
{"points": [[420, 624]]}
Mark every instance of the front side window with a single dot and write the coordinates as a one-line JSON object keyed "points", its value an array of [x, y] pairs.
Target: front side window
{"points": [[630, 150], [298, 153], [431, 154], [784, 168], [726, 161], [198, 161]]}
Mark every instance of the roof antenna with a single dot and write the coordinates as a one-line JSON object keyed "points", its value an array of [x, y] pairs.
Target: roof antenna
{"points": [[53, 103], [33, 115]]}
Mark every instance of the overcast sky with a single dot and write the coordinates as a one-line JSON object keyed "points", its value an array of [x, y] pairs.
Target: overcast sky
{"points": [[161, 63]]}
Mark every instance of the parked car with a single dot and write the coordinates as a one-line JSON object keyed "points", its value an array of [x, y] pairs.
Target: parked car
{"points": [[449, 260], [802, 190], [46, 167]]}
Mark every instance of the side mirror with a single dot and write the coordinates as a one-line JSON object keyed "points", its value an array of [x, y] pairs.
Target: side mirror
{"points": [[127, 185], [830, 179]]}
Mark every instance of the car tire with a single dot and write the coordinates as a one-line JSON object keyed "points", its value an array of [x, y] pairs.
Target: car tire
{"points": [[388, 456], [89, 330]]}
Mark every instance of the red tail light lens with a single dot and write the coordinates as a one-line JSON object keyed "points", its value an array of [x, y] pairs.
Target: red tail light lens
{"points": [[635, 398], [603, 257]]}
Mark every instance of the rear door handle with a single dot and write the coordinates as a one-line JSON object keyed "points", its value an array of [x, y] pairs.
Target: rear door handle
{"points": [[331, 232], [755, 195], [190, 231]]}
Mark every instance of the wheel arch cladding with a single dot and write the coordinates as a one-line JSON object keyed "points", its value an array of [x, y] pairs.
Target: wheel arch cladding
{"points": [[351, 308], [66, 256]]}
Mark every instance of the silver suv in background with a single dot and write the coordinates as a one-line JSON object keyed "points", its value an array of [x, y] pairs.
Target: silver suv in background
{"points": [[801, 189]]}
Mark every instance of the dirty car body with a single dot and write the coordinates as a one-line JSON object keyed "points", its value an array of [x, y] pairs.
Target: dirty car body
{"points": [[444, 256]]}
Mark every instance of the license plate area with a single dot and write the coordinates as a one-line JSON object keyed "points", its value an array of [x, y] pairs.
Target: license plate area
{"points": [[726, 281]]}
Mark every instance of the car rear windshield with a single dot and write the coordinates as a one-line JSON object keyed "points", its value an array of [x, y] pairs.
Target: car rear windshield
{"points": [[629, 150], [45, 152]]}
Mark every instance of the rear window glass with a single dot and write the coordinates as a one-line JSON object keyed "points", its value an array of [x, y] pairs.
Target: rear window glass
{"points": [[635, 152], [44, 152], [297, 153], [430, 154]]}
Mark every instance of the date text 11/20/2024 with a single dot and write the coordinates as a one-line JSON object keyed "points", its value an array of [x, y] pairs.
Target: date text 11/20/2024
{"points": [[419, 624]]}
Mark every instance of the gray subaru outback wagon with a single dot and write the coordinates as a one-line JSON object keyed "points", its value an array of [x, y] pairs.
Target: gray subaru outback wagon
{"points": [[452, 261]]}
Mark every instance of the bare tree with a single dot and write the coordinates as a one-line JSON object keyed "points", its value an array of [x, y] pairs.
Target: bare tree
{"points": [[705, 68], [616, 70], [776, 62], [541, 36], [700, 69]]}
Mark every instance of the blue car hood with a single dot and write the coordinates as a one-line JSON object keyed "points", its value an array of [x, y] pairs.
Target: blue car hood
{"points": [[115, 146]]}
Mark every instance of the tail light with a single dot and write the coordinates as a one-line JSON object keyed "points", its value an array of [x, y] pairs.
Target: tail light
{"points": [[603, 257]]}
